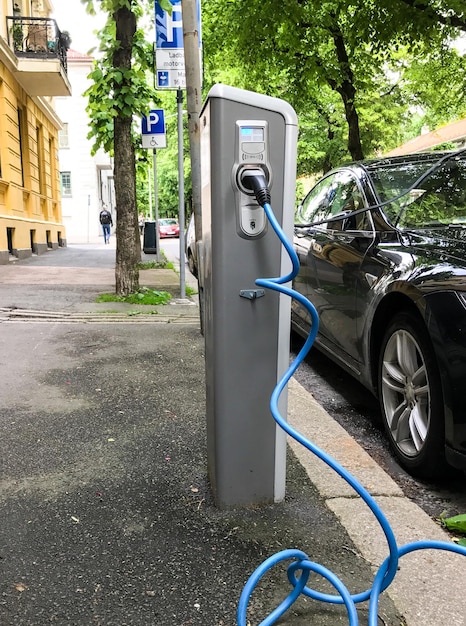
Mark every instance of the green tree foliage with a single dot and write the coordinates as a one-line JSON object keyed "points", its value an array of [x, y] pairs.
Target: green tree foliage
{"points": [[363, 76], [437, 85], [167, 171], [352, 69], [120, 91]]}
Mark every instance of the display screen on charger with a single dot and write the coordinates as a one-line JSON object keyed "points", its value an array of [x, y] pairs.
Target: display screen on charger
{"points": [[251, 133]]}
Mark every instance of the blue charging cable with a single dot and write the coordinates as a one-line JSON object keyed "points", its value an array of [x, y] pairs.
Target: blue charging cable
{"points": [[300, 569]]}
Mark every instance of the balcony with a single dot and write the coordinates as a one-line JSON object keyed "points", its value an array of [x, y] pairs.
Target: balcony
{"points": [[40, 48]]}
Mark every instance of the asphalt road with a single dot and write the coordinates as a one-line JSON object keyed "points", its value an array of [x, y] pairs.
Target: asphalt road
{"points": [[107, 515]]}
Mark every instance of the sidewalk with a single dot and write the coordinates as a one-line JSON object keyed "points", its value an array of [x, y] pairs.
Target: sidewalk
{"points": [[107, 516]]}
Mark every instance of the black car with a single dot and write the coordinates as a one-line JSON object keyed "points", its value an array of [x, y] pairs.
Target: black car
{"points": [[382, 247], [190, 245]]}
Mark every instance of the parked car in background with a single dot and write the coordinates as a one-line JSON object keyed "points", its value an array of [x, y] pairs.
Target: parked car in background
{"points": [[168, 227], [190, 244], [382, 247]]}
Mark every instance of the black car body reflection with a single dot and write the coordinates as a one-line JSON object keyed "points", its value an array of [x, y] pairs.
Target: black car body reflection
{"points": [[382, 247]]}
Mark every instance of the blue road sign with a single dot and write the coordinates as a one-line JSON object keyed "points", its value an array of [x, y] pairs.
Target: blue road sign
{"points": [[154, 123], [163, 79], [169, 28]]}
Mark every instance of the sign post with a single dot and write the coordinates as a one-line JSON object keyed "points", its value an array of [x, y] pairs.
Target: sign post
{"points": [[169, 54], [153, 136], [171, 74]]}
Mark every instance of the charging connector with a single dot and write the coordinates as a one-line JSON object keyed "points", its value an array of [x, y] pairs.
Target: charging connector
{"points": [[254, 179]]}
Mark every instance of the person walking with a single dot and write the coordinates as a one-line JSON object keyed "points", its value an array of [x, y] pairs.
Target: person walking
{"points": [[141, 220], [105, 218]]}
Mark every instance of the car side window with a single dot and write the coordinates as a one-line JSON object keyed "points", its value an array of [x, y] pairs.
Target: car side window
{"points": [[316, 206], [348, 199], [335, 194]]}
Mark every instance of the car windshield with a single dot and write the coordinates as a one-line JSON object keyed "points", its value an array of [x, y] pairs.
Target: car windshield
{"points": [[168, 222], [439, 200]]}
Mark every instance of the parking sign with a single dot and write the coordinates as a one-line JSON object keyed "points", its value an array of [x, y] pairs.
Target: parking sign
{"points": [[154, 123], [170, 45], [169, 28], [153, 129]]}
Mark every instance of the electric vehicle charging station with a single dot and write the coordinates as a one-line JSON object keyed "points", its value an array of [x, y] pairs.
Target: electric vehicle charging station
{"points": [[247, 330], [248, 163]]}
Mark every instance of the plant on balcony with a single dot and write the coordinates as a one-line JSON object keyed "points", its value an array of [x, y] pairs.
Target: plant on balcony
{"points": [[17, 29], [65, 39], [17, 34]]}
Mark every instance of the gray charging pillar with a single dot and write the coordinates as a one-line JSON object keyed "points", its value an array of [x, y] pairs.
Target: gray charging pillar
{"points": [[247, 331]]}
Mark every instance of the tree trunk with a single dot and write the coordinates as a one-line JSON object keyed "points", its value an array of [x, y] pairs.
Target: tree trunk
{"points": [[128, 240], [345, 87], [348, 92]]}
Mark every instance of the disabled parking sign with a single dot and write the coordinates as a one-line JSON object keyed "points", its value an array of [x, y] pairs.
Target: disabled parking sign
{"points": [[153, 129]]}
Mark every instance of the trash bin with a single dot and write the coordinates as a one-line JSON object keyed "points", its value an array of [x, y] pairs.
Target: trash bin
{"points": [[150, 241]]}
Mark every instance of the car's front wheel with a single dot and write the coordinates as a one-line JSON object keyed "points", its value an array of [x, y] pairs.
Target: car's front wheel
{"points": [[411, 397], [192, 264]]}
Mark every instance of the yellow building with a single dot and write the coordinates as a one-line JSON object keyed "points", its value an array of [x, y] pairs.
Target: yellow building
{"points": [[33, 69]]}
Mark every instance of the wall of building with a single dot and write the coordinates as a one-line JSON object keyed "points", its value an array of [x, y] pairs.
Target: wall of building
{"points": [[30, 208], [30, 211], [91, 177]]}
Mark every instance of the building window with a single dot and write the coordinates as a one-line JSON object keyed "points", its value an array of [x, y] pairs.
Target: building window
{"points": [[10, 234], [41, 159], [65, 184], [53, 166], [22, 125], [63, 139]]}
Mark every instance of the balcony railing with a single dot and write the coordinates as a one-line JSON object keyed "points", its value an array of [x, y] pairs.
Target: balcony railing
{"points": [[37, 38]]}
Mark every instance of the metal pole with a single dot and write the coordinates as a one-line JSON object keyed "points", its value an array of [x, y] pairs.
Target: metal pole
{"points": [[158, 256], [179, 100], [191, 38], [150, 190]]}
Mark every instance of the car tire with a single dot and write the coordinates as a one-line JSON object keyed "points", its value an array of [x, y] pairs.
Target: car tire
{"points": [[191, 265], [410, 397]]}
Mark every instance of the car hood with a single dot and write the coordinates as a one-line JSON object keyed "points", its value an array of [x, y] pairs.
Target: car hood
{"points": [[444, 243], [440, 256]]}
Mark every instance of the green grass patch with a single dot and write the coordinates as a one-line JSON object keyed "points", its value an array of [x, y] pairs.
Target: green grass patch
{"points": [[190, 291], [143, 296], [156, 265]]}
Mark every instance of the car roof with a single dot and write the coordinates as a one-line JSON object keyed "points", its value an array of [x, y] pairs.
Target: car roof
{"points": [[372, 165]]}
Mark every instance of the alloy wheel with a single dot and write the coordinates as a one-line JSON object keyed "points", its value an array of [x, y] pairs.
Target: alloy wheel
{"points": [[405, 392]]}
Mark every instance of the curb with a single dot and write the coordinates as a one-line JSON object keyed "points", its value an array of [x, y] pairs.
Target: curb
{"points": [[427, 589]]}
